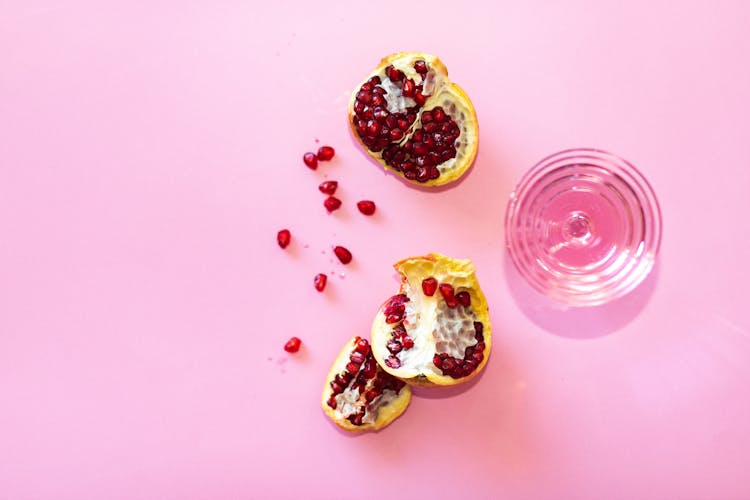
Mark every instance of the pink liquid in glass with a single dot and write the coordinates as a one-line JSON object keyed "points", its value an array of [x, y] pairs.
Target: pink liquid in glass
{"points": [[583, 227]]}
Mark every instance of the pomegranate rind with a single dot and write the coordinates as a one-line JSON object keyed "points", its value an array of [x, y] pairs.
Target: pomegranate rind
{"points": [[461, 274], [386, 414], [448, 93]]}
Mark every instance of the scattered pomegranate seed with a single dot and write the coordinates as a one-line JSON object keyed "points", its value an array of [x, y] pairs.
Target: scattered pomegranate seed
{"points": [[332, 203], [446, 291], [408, 342], [367, 207], [328, 187], [420, 67], [310, 160], [325, 153], [344, 255], [284, 237], [463, 298], [320, 282], [292, 345], [429, 285]]}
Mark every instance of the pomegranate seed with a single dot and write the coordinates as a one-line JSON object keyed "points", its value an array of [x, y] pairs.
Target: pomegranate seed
{"points": [[463, 298], [328, 187], [332, 401], [320, 281], [310, 160], [408, 88], [352, 368], [393, 73], [357, 357], [370, 395], [337, 388], [283, 238], [437, 361], [420, 67], [367, 207], [394, 346], [344, 255], [292, 345], [325, 153], [332, 203], [396, 134], [392, 362], [394, 318], [370, 368], [446, 291], [420, 99], [407, 342], [363, 346], [438, 114], [478, 331]]}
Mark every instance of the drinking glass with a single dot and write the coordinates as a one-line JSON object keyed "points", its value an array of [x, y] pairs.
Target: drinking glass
{"points": [[583, 227]]}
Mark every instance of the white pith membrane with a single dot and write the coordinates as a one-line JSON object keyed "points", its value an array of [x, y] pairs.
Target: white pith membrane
{"points": [[349, 404], [435, 328], [352, 401], [439, 93]]}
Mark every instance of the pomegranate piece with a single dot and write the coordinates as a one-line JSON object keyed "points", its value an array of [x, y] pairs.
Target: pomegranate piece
{"points": [[328, 187], [358, 394], [433, 342], [292, 345], [344, 255], [283, 238], [326, 153], [320, 281], [429, 286], [332, 203], [386, 106], [310, 160], [367, 207]]}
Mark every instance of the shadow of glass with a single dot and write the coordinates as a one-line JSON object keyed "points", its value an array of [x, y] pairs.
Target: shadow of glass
{"points": [[579, 323]]}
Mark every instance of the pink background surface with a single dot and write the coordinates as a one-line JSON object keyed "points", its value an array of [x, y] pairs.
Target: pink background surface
{"points": [[149, 153]]}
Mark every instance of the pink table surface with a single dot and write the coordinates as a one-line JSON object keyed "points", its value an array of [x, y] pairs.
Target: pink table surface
{"points": [[149, 152]]}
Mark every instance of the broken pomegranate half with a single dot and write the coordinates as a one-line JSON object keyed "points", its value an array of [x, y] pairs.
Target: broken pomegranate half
{"points": [[414, 121], [436, 330], [358, 394]]}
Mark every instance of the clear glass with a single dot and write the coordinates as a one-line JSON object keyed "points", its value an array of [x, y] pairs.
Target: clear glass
{"points": [[583, 227]]}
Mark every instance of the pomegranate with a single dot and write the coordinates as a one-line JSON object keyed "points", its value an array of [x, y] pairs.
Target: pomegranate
{"points": [[410, 117], [428, 338], [358, 394]]}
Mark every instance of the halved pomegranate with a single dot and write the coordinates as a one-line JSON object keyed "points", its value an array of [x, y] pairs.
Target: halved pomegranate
{"points": [[414, 121], [428, 338], [358, 394]]}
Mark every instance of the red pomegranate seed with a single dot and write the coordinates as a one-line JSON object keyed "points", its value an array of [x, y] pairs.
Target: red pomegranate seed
{"points": [[394, 346], [292, 345], [446, 291], [328, 187], [420, 67], [344, 255], [357, 357], [420, 98], [310, 160], [429, 285], [283, 238], [320, 281], [393, 74], [408, 88], [325, 153], [367, 207], [463, 298], [392, 362], [363, 346], [332, 203], [407, 342], [438, 114], [352, 368]]}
